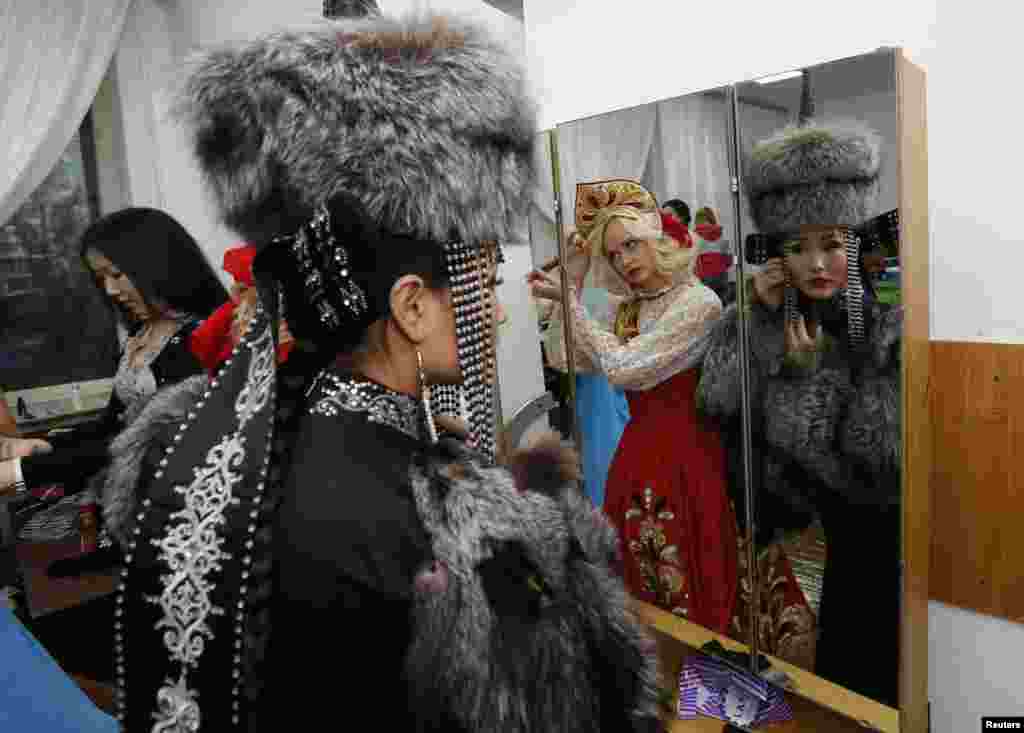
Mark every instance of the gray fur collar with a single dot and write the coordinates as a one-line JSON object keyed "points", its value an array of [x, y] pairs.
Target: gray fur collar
{"points": [[130, 449], [522, 626]]}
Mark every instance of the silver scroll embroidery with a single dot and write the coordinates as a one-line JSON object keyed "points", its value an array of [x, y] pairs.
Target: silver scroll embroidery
{"points": [[381, 405], [192, 548]]}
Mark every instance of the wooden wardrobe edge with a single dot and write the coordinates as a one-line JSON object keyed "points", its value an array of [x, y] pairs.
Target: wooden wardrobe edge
{"points": [[916, 424]]}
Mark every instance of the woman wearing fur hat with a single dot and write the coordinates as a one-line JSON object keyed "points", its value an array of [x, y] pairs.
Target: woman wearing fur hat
{"points": [[825, 377], [312, 540], [666, 490]]}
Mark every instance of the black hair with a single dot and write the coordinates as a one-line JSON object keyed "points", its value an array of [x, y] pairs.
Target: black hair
{"points": [[680, 208], [377, 258], [160, 257]]}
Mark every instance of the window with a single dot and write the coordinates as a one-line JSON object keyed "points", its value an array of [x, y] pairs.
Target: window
{"points": [[55, 325]]}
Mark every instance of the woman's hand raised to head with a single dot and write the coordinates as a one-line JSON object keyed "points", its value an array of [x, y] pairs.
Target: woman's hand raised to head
{"points": [[544, 286], [801, 337], [22, 447], [770, 283]]}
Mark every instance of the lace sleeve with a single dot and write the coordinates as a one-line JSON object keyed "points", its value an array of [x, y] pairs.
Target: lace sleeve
{"points": [[676, 342], [554, 346]]}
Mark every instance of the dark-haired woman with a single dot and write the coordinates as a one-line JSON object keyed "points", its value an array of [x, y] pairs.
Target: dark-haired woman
{"points": [[161, 287]]}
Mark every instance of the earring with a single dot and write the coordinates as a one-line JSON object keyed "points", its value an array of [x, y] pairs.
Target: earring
{"points": [[428, 413]]}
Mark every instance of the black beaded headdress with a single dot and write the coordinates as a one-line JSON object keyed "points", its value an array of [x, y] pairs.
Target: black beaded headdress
{"points": [[426, 124]]}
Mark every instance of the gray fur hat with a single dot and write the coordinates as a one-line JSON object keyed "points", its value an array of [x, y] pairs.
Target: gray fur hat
{"points": [[425, 119], [815, 173]]}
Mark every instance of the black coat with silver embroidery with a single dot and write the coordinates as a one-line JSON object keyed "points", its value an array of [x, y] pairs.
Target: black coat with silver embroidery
{"points": [[362, 508]]}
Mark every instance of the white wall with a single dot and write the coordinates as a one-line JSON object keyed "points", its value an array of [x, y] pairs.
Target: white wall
{"points": [[586, 61]]}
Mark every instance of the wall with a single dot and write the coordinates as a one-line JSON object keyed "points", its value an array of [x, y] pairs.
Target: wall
{"points": [[976, 250], [155, 168]]}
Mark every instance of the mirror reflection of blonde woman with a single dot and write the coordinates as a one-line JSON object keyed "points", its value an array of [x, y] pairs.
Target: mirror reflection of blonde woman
{"points": [[666, 491]]}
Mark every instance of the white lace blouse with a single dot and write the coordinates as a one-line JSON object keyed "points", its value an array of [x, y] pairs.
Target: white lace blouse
{"points": [[674, 328]]}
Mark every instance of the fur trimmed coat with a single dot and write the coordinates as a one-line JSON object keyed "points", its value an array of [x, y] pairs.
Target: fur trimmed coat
{"points": [[487, 590], [827, 436], [830, 427]]}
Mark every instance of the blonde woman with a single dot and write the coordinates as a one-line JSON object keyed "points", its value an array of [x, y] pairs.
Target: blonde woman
{"points": [[667, 487]]}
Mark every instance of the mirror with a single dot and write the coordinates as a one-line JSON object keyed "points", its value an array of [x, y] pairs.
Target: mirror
{"points": [[648, 232], [819, 226], [553, 407]]}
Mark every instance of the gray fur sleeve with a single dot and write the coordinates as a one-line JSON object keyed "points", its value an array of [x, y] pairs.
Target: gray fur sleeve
{"points": [[719, 386], [718, 393], [130, 449]]}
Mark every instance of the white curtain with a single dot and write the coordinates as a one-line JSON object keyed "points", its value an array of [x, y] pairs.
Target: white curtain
{"points": [[694, 150], [53, 56]]}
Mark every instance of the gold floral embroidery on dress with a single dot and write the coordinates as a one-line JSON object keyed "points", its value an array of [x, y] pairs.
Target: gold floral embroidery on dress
{"points": [[787, 630], [658, 561]]}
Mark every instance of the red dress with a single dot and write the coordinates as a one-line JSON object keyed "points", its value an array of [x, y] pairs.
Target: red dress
{"points": [[667, 486], [666, 494]]}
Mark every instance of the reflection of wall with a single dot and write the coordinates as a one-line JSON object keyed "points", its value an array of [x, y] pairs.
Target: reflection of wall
{"points": [[881, 112]]}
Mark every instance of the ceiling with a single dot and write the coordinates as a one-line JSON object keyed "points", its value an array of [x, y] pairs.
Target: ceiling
{"points": [[511, 7], [844, 79]]}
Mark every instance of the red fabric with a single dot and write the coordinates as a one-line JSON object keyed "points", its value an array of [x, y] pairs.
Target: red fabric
{"points": [[284, 349], [211, 342], [238, 263], [676, 229], [709, 232], [666, 450], [710, 264]]}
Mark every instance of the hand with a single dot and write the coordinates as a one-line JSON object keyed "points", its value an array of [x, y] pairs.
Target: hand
{"points": [[577, 264], [801, 338], [453, 425], [8, 476], [545, 286], [770, 283], [22, 447]]}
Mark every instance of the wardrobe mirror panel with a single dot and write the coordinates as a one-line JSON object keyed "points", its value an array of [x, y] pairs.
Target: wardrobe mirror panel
{"points": [[552, 407], [820, 235]]}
